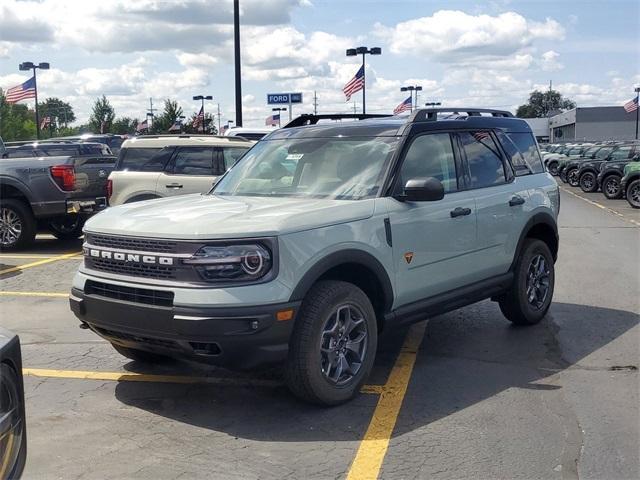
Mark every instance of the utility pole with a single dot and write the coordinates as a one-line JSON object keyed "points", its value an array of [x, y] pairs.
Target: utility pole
{"points": [[355, 110], [236, 48], [315, 103], [218, 115], [150, 112]]}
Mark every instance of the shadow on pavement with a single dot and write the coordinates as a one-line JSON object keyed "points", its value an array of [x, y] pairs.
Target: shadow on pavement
{"points": [[467, 356]]}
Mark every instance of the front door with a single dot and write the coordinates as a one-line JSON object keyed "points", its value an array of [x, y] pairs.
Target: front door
{"points": [[432, 241]]}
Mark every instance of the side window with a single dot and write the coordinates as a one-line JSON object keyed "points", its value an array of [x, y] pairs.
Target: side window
{"points": [[143, 159], [483, 159], [193, 161], [522, 151], [230, 156], [621, 153], [430, 156]]}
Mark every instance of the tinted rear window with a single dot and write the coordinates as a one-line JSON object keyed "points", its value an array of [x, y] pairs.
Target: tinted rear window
{"points": [[141, 160], [529, 153]]}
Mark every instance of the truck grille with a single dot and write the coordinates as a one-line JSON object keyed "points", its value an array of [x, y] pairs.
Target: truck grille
{"points": [[132, 243], [162, 272], [159, 298]]}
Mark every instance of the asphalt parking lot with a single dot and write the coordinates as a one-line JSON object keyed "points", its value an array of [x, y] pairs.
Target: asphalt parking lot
{"points": [[462, 395]]}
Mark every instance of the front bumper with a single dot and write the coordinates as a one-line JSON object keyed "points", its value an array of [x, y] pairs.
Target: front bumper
{"points": [[239, 337]]}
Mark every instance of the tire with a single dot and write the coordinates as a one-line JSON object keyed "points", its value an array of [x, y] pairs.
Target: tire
{"points": [[633, 193], [66, 228], [611, 187], [563, 175], [17, 225], [516, 304], [13, 443], [588, 182], [310, 369], [572, 177], [553, 168], [139, 355]]}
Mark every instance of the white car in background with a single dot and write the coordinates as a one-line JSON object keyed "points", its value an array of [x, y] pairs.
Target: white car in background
{"points": [[156, 166]]}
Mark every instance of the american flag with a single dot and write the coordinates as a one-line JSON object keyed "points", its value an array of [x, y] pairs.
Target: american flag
{"points": [[631, 105], [22, 92], [199, 118], [224, 128], [403, 107], [272, 120], [480, 136], [177, 125], [143, 125], [355, 84], [46, 121]]}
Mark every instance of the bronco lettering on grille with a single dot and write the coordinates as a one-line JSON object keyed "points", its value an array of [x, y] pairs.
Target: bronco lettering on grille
{"points": [[127, 257]]}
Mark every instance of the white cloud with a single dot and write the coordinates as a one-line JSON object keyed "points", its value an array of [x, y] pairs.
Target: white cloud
{"points": [[549, 61], [196, 59]]}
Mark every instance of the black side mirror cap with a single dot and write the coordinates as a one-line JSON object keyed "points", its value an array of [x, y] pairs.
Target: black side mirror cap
{"points": [[427, 189]]}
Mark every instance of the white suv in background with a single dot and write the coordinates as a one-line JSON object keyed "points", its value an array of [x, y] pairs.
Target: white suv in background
{"points": [[156, 166]]}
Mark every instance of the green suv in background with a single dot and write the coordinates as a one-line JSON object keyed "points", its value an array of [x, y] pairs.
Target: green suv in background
{"points": [[630, 183], [323, 235]]}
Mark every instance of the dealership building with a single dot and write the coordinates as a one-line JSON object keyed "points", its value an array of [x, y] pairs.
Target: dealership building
{"points": [[586, 123]]}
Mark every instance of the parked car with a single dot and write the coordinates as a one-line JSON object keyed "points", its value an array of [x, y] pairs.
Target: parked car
{"points": [[610, 176], [567, 165], [588, 170], [630, 183], [113, 141], [250, 133], [50, 193], [156, 166], [13, 425], [56, 149], [323, 235]]}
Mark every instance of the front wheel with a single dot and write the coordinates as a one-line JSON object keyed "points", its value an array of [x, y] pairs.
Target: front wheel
{"points": [[553, 168], [611, 187], [588, 182], [67, 228], [529, 297], [633, 193], [572, 177], [333, 344], [17, 225]]}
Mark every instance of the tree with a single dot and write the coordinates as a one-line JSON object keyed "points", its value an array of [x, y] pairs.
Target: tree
{"points": [[209, 122], [541, 104], [102, 116], [17, 122], [172, 111], [124, 125], [61, 113]]}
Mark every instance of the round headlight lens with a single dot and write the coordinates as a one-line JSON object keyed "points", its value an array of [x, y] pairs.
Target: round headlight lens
{"points": [[231, 263]]}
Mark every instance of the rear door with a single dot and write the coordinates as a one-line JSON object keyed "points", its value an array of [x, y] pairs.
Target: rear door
{"points": [[191, 170]]}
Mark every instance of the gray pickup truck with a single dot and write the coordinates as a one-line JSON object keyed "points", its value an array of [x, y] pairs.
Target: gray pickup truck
{"points": [[55, 194]]}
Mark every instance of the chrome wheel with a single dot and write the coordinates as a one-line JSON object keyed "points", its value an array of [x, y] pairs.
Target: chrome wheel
{"points": [[612, 186], [10, 227], [537, 282], [343, 344]]}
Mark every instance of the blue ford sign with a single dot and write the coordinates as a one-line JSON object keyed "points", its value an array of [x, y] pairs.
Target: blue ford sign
{"points": [[283, 98]]}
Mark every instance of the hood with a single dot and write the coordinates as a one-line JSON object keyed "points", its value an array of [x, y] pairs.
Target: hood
{"points": [[210, 216]]}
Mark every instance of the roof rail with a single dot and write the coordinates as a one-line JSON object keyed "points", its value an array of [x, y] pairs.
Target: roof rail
{"points": [[431, 114], [312, 119], [187, 135]]}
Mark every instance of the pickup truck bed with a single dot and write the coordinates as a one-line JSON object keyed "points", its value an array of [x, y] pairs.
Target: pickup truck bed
{"points": [[52, 193]]}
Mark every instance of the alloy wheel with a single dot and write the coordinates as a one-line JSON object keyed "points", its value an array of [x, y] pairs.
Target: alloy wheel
{"points": [[634, 194], [10, 227], [587, 181], [538, 279], [343, 344], [612, 186]]}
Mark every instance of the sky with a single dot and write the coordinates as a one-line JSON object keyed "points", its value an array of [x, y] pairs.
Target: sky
{"points": [[462, 53]]}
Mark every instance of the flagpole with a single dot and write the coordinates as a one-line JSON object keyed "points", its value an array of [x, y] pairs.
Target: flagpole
{"points": [[637, 108]]}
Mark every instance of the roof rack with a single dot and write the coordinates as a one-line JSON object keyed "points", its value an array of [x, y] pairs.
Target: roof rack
{"points": [[431, 114], [187, 135], [311, 119]]}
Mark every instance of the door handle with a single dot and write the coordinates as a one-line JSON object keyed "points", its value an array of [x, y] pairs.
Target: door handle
{"points": [[516, 200], [173, 185], [460, 212]]}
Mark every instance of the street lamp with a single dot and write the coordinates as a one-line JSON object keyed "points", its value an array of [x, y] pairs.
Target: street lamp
{"points": [[432, 104], [279, 109], [412, 88], [25, 66], [352, 52], [203, 98]]}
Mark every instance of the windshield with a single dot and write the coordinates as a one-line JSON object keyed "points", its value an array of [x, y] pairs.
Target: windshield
{"points": [[339, 168]]}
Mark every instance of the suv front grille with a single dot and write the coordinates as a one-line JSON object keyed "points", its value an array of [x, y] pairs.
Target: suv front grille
{"points": [[132, 243], [158, 298], [132, 269]]}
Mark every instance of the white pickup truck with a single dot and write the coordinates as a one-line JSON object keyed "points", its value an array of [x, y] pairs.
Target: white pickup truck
{"points": [[156, 166]]}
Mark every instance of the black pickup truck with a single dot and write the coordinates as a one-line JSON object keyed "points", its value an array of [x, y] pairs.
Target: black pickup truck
{"points": [[55, 194]]}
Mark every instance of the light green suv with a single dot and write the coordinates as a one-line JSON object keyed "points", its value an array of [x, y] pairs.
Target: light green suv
{"points": [[320, 237]]}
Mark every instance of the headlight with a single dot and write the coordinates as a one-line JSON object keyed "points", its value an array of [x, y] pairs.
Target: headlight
{"points": [[232, 263]]}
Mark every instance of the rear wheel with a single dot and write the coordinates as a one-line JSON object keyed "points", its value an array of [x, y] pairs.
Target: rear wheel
{"points": [[633, 193], [529, 298], [572, 177], [333, 344], [139, 355], [17, 225], [611, 187], [67, 228], [553, 168], [588, 182]]}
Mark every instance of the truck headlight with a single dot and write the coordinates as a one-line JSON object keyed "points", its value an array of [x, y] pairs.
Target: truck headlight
{"points": [[231, 263]]}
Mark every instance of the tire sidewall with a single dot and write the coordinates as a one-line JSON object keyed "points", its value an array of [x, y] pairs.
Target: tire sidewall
{"points": [[533, 248], [604, 187], [635, 183], [594, 184]]}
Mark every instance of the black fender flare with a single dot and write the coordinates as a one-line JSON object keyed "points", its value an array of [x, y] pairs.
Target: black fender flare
{"points": [[18, 185], [341, 257], [540, 218]]}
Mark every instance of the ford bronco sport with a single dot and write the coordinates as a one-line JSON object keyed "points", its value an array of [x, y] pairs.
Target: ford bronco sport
{"points": [[321, 236]]}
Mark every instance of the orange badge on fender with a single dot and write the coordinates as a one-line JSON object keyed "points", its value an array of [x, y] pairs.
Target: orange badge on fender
{"points": [[408, 257]]}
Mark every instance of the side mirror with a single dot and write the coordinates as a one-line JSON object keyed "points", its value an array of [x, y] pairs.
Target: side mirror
{"points": [[427, 189]]}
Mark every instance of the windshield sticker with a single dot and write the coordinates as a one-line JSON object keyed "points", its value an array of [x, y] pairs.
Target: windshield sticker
{"points": [[295, 156]]}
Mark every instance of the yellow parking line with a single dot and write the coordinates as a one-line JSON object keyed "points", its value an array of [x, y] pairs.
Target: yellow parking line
{"points": [[603, 207], [373, 448], [38, 263], [34, 294]]}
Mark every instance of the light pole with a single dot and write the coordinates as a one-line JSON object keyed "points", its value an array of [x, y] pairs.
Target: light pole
{"points": [[279, 109], [412, 88], [352, 52], [432, 104], [24, 66], [236, 56], [203, 98], [637, 90]]}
